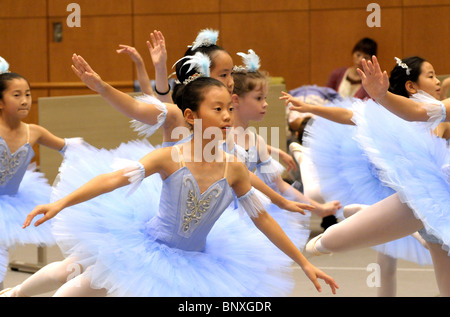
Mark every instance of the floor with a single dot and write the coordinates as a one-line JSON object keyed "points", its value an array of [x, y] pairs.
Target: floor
{"points": [[353, 271]]}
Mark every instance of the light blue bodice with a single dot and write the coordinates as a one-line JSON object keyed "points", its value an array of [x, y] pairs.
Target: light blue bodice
{"points": [[185, 215], [13, 167]]}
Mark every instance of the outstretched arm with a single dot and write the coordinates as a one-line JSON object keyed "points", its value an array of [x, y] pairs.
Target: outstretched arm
{"points": [[269, 227], [376, 84], [158, 53], [123, 102], [336, 114], [101, 184], [144, 80]]}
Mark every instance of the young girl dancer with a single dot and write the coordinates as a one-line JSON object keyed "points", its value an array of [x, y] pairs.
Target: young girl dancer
{"points": [[249, 100], [416, 168], [178, 252], [21, 187], [55, 274]]}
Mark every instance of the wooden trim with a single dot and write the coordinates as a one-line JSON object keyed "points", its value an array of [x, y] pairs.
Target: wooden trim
{"points": [[74, 85]]}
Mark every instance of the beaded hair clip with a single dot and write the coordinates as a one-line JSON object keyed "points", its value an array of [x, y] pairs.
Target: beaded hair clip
{"points": [[251, 62], [403, 65]]}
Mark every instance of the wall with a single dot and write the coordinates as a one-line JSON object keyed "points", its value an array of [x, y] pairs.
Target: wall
{"points": [[300, 40]]}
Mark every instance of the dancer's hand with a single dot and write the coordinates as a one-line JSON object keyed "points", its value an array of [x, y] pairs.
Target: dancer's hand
{"points": [[295, 206], [132, 52], [288, 160], [296, 103], [374, 81], [49, 211], [82, 69], [157, 49], [314, 273], [327, 209]]}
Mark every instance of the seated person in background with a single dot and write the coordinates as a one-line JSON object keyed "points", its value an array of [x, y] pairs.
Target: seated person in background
{"points": [[346, 80]]}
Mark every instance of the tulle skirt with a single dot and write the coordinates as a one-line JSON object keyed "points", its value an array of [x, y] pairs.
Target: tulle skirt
{"points": [[34, 190], [107, 236], [412, 161], [346, 174]]}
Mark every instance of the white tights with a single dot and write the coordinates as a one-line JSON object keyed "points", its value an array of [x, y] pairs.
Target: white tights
{"points": [[387, 220], [65, 276], [4, 260]]}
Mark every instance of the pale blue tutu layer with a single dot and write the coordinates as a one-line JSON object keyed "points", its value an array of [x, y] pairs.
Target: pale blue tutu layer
{"points": [[107, 235], [346, 174], [295, 225], [412, 161], [34, 190]]}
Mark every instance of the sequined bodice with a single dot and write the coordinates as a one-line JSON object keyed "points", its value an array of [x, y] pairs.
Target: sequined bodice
{"points": [[13, 167], [185, 215]]}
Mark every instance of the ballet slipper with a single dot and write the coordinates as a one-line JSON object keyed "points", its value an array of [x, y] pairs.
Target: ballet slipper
{"points": [[310, 247], [6, 292], [294, 146]]}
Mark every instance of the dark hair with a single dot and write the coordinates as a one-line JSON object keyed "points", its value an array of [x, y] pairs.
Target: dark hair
{"points": [[182, 73], [5, 77], [367, 46], [210, 51], [192, 94], [399, 77], [245, 82]]}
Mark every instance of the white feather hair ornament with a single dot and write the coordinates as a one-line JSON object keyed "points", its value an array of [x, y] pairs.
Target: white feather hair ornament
{"points": [[206, 37], [201, 62], [4, 66], [250, 60]]}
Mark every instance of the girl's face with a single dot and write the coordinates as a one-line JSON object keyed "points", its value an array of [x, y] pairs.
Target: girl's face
{"points": [[428, 82], [358, 56], [223, 67], [252, 106], [16, 101], [216, 109]]}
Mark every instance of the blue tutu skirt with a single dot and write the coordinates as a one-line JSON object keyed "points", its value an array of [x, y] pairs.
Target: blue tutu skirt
{"points": [[107, 236], [346, 174], [411, 160], [34, 190]]}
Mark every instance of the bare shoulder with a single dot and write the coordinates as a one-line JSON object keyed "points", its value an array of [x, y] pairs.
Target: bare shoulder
{"points": [[236, 168]]}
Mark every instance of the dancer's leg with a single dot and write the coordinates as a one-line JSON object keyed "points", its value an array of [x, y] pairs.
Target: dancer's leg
{"points": [[387, 220], [48, 278], [441, 262], [4, 260], [388, 275], [79, 286]]}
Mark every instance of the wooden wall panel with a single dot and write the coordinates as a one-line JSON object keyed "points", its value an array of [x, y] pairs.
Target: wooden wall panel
{"points": [[96, 40], [430, 38], [280, 39], [332, 42], [352, 4], [175, 6], [23, 8], [229, 6], [58, 8]]}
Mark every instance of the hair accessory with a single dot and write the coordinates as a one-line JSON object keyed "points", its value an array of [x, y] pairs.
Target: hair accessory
{"points": [[206, 37], [200, 62], [4, 66], [250, 60], [403, 65]]}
